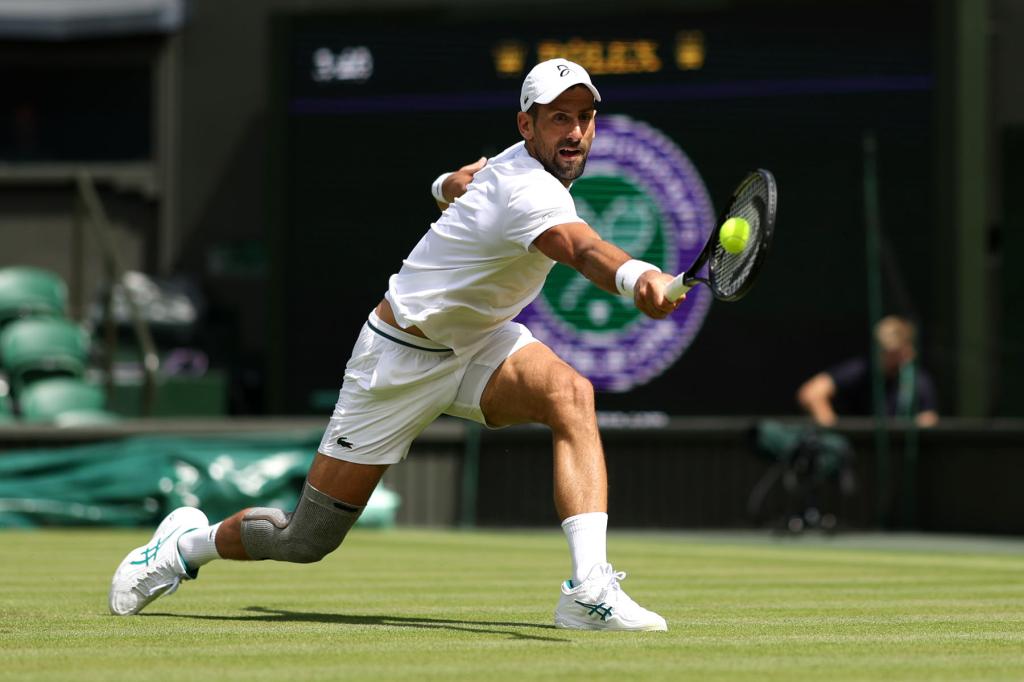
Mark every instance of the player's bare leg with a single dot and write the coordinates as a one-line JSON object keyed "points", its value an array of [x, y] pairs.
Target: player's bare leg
{"points": [[534, 385]]}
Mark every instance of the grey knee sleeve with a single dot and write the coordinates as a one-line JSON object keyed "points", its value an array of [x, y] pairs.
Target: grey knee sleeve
{"points": [[314, 530]]}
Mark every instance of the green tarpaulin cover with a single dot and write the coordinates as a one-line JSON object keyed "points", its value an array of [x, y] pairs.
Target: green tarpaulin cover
{"points": [[136, 481]]}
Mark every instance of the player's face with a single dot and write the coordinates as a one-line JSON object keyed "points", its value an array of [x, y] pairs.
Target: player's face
{"points": [[562, 133]]}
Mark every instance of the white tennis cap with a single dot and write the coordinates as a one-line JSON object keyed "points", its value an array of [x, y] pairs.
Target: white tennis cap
{"points": [[549, 79]]}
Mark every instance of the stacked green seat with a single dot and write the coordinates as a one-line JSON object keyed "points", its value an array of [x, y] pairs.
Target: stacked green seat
{"points": [[43, 355], [6, 410], [27, 291], [65, 401], [35, 347]]}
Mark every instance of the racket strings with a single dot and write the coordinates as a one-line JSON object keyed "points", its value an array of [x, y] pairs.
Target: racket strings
{"points": [[730, 272]]}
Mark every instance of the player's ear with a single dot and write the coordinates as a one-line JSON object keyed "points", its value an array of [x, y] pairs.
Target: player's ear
{"points": [[525, 123]]}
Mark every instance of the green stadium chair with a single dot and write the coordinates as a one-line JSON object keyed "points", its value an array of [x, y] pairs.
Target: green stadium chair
{"points": [[74, 418], [27, 291], [31, 348], [6, 410], [64, 401]]}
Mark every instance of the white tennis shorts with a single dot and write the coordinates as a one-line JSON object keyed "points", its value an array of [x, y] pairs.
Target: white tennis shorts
{"points": [[396, 384]]}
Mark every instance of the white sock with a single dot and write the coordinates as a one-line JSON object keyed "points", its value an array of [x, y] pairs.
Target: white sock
{"points": [[588, 545], [199, 546]]}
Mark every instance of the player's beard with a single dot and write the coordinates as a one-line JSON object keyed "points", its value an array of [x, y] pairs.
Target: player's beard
{"points": [[566, 170]]}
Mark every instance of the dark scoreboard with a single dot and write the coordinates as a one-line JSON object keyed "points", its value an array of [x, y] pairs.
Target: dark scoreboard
{"points": [[369, 108]]}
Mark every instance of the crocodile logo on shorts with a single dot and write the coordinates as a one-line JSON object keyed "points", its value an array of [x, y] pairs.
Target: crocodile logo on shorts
{"points": [[641, 192]]}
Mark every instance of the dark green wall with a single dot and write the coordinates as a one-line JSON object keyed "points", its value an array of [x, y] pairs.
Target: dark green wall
{"points": [[232, 183], [1010, 359]]}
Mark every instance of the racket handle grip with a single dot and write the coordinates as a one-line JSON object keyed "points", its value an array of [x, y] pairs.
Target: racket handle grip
{"points": [[675, 289]]}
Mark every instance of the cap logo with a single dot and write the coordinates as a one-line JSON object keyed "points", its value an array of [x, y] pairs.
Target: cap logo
{"points": [[564, 70]]}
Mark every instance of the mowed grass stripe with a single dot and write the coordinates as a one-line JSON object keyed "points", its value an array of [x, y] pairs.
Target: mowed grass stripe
{"points": [[439, 605]]}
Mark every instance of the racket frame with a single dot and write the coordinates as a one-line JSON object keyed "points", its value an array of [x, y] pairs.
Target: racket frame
{"points": [[686, 281]]}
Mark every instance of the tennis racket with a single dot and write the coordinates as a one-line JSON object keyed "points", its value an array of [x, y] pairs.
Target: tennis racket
{"points": [[731, 275]]}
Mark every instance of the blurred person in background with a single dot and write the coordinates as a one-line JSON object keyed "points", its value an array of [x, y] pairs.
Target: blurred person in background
{"points": [[845, 389]]}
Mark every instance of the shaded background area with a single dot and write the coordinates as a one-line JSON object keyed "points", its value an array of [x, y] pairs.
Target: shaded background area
{"points": [[272, 201], [710, 472], [773, 92], [272, 191]]}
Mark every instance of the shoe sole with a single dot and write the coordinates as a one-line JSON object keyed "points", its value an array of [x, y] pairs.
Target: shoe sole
{"points": [[563, 625]]}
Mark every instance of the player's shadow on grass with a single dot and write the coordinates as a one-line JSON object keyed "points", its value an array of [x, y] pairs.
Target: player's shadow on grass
{"points": [[482, 627]]}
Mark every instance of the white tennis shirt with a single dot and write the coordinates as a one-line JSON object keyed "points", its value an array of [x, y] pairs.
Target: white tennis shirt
{"points": [[475, 268]]}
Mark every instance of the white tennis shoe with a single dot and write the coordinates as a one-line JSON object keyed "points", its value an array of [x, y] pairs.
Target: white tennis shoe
{"points": [[598, 603], [156, 568]]}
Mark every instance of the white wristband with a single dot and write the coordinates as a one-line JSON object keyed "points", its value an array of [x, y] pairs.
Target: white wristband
{"points": [[435, 189], [628, 274]]}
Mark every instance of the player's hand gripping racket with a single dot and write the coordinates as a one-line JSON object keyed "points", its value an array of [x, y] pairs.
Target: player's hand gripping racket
{"points": [[731, 275]]}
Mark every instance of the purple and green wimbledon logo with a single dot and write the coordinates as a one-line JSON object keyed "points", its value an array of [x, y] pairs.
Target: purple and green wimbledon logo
{"points": [[641, 192]]}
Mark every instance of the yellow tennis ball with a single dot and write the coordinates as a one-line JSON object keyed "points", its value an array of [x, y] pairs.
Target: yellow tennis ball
{"points": [[734, 235]]}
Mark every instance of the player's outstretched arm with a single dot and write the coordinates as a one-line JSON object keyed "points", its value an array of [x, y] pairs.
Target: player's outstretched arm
{"points": [[580, 247], [450, 186]]}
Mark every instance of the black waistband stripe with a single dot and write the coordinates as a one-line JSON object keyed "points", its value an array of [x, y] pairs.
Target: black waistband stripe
{"points": [[406, 343]]}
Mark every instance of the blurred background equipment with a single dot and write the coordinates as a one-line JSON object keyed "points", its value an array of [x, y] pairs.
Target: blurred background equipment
{"points": [[791, 495]]}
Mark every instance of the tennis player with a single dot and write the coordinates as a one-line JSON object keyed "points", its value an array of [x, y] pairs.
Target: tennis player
{"points": [[442, 341]]}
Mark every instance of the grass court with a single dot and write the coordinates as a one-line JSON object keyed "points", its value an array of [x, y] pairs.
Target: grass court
{"points": [[474, 605]]}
